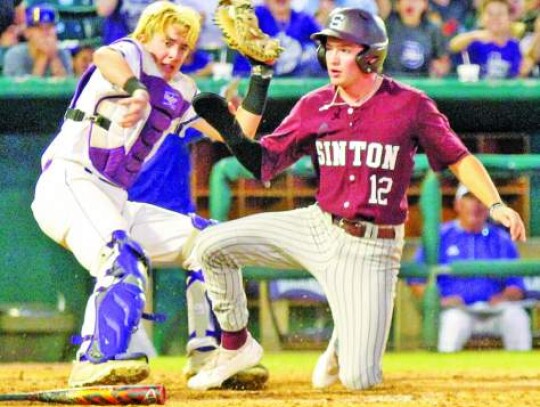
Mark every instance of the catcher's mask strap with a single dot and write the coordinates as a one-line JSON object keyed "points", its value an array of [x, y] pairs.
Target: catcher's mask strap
{"points": [[78, 116]]}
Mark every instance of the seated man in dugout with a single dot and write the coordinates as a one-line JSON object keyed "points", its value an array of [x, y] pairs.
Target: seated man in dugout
{"points": [[477, 305]]}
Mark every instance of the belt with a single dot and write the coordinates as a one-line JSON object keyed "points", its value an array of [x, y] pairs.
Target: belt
{"points": [[359, 228]]}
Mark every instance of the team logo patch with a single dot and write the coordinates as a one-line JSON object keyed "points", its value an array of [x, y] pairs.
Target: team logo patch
{"points": [[412, 55], [170, 100], [337, 22]]}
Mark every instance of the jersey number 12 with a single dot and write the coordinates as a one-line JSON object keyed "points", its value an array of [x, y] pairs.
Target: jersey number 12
{"points": [[380, 187]]}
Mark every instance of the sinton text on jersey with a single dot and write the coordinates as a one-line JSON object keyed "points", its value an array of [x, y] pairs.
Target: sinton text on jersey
{"points": [[372, 155]]}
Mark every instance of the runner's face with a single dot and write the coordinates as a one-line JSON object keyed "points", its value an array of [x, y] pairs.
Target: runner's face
{"points": [[341, 62]]}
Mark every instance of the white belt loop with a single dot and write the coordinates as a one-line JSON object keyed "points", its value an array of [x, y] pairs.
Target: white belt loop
{"points": [[371, 230]]}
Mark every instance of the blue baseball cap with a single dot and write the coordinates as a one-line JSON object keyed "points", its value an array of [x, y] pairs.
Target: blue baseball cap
{"points": [[41, 14]]}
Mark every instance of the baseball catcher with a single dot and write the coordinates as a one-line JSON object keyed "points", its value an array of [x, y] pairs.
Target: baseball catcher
{"points": [[241, 31]]}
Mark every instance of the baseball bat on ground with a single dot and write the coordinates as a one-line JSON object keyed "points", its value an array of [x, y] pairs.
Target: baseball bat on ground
{"points": [[100, 395]]}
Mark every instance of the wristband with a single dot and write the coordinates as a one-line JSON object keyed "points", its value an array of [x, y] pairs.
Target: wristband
{"points": [[262, 70], [132, 84], [495, 206]]}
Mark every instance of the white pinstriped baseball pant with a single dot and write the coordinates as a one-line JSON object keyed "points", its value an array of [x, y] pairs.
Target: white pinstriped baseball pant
{"points": [[358, 276]]}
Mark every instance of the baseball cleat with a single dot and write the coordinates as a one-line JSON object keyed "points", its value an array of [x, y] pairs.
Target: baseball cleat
{"points": [[129, 371], [224, 364], [326, 371], [253, 378], [196, 359]]}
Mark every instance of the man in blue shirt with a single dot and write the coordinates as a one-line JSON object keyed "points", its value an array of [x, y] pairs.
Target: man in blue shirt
{"points": [[477, 305], [41, 55]]}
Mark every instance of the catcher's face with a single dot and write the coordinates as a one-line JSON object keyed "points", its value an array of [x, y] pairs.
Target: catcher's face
{"points": [[341, 62], [169, 50]]}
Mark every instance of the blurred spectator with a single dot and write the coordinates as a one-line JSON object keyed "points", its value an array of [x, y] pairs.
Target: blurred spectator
{"points": [[198, 63], [493, 47], [120, 16], [323, 10], [530, 46], [11, 22], [41, 55], [293, 29], [517, 14], [416, 46], [532, 6], [82, 59], [518, 9], [477, 305], [380, 7], [452, 15], [211, 37]]}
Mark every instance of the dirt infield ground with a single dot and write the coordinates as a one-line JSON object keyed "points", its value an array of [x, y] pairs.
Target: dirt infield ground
{"points": [[486, 379]]}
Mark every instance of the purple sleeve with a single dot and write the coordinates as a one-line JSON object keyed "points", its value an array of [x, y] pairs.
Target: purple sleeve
{"points": [[442, 146], [281, 148]]}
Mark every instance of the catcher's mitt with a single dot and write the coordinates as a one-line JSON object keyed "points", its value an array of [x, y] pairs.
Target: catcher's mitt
{"points": [[240, 27]]}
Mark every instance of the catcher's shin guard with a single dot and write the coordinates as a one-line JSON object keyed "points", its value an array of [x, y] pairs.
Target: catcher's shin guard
{"points": [[203, 328], [117, 303]]}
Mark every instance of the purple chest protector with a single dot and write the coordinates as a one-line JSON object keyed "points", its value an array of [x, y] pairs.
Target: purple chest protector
{"points": [[122, 165]]}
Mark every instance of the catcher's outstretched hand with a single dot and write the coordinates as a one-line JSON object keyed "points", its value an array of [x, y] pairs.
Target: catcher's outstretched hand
{"points": [[136, 106], [241, 31]]}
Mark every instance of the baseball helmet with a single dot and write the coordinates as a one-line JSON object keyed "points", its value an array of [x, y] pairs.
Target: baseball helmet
{"points": [[360, 27]]}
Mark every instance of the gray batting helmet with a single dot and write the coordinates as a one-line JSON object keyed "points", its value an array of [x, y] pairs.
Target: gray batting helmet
{"points": [[360, 27]]}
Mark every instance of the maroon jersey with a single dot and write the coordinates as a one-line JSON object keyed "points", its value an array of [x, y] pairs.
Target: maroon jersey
{"points": [[364, 155]]}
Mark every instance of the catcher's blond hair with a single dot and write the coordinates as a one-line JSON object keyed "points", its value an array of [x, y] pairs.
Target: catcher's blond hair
{"points": [[159, 16]]}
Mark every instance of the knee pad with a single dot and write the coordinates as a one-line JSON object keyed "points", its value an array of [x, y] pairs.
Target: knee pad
{"points": [[118, 300]]}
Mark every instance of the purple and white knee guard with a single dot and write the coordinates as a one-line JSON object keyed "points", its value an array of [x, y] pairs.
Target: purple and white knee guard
{"points": [[117, 302], [204, 330]]}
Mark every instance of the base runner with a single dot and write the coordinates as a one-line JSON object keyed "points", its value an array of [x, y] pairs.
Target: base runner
{"points": [[362, 131]]}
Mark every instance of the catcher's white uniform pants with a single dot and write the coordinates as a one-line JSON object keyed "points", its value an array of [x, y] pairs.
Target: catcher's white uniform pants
{"points": [[80, 211], [358, 276], [507, 320]]}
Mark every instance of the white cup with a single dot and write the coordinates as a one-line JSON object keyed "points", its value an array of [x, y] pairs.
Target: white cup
{"points": [[468, 72], [222, 70]]}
